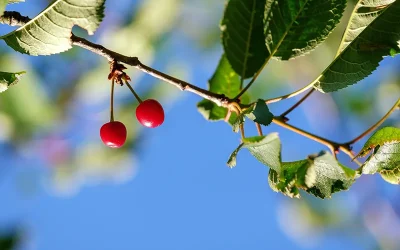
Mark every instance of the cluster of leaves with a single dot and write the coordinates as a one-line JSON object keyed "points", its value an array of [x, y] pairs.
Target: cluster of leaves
{"points": [[254, 31], [321, 174]]}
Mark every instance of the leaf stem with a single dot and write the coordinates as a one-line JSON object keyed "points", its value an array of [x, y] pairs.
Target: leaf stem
{"points": [[112, 101], [297, 92], [284, 114], [133, 92], [247, 86], [376, 125]]}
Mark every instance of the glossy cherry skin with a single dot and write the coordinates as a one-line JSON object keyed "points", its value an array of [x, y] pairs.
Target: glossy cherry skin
{"points": [[150, 113], [113, 134]]}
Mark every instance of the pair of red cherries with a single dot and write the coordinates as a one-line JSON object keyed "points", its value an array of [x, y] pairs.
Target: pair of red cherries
{"points": [[149, 113]]}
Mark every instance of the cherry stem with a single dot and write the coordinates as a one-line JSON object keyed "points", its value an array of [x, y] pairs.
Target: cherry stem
{"points": [[112, 100], [133, 92]]}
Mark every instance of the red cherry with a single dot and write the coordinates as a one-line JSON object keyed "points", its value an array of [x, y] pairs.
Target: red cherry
{"points": [[113, 134], [150, 113]]}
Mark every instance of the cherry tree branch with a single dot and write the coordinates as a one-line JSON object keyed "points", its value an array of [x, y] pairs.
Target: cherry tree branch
{"points": [[284, 114], [334, 147], [376, 125], [13, 18]]}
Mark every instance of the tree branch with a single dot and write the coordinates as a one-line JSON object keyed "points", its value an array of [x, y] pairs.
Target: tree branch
{"points": [[220, 100], [333, 146], [376, 125], [284, 114], [13, 18], [16, 19]]}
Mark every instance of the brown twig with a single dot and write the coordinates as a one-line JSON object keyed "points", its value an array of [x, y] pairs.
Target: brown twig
{"points": [[376, 125], [284, 114]]}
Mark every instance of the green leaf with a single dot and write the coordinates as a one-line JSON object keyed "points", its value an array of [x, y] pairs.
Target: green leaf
{"points": [[239, 120], [330, 176], [224, 81], [243, 37], [288, 182], [385, 160], [362, 56], [232, 158], [379, 138], [8, 79], [363, 14], [267, 149], [50, 31], [295, 27], [260, 113], [319, 175]]}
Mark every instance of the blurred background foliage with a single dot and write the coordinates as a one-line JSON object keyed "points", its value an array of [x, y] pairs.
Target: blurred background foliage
{"points": [[49, 122]]}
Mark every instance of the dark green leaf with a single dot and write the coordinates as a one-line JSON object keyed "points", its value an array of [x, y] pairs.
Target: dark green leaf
{"points": [[260, 113], [8, 79], [379, 138], [319, 175], [295, 27], [50, 31], [243, 37], [385, 160], [363, 14], [362, 56]]}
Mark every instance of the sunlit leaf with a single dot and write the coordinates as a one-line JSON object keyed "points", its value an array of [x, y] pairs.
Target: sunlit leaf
{"points": [[362, 56], [385, 158], [8, 79], [330, 176], [319, 175], [50, 31], [294, 27], [380, 137], [267, 149], [363, 14]]}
